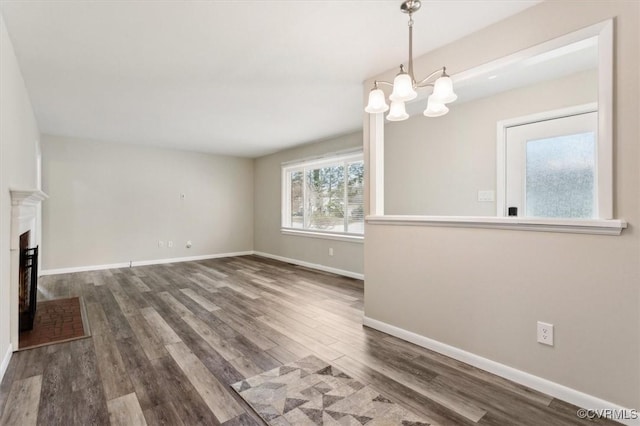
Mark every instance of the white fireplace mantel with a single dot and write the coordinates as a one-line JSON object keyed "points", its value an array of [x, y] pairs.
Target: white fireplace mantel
{"points": [[27, 197], [24, 213]]}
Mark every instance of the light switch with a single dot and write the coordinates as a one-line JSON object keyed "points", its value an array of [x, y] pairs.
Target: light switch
{"points": [[487, 196]]}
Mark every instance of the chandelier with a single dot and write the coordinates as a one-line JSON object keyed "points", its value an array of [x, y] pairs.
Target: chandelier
{"points": [[405, 84]]}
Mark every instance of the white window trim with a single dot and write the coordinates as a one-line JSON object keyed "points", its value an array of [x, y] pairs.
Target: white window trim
{"points": [[343, 157], [354, 238], [605, 225]]}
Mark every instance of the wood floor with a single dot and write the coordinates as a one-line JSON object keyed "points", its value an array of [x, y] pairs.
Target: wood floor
{"points": [[167, 340]]}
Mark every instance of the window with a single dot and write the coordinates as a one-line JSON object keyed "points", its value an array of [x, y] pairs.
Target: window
{"points": [[560, 176], [552, 166], [325, 195]]}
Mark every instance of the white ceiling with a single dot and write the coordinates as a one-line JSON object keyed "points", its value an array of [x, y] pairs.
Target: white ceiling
{"points": [[228, 77]]}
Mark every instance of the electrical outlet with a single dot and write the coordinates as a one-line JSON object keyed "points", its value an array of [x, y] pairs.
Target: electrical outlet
{"points": [[331, 251], [545, 333], [160, 243], [170, 244]]}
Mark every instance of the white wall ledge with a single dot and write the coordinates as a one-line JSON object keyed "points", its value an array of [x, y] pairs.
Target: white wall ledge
{"points": [[323, 235], [574, 226]]}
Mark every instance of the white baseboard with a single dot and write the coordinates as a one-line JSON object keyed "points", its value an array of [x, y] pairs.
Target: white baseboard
{"points": [[84, 268], [5, 361], [553, 389], [312, 265], [140, 263], [203, 257], [190, 258]]}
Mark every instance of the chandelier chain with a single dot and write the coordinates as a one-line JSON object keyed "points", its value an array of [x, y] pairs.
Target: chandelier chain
{"points": [[413, 80]]}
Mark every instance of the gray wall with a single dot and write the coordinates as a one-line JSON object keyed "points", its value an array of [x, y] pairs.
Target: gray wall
{"points": [[483, 290], [18, 152], [460, 148], [348, 256], [111, 203]]}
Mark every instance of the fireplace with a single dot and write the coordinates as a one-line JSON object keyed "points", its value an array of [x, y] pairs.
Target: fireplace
{"points": [[25, 235], [27, 283]]}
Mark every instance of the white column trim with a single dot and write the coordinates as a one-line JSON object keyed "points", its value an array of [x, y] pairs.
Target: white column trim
{"points": [[5, 361], [376, 164]]}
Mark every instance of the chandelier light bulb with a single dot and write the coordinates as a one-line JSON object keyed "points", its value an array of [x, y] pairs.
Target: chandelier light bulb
{"points": [[377, 102], [403, 87], [443, 90], [435, 108], [397, 111]]}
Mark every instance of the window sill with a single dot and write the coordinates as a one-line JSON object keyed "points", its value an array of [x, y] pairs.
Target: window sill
{"points": [[575, 226], [323, 235]]}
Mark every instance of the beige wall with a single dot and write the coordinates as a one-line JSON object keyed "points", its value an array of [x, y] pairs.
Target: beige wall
{"points": [[18, 143], [111, 203], [483, 290], [348, 256], [460, 148]]}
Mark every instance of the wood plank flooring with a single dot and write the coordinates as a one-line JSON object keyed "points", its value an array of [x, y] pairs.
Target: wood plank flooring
{"points": [[169, 339]]}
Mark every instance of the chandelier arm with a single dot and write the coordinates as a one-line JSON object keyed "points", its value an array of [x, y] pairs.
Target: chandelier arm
{"points": [[421, 86], [433, 74], [382, 82]]}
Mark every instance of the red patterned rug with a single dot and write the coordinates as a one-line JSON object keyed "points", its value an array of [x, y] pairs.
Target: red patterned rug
{"points": [[56, 321]]}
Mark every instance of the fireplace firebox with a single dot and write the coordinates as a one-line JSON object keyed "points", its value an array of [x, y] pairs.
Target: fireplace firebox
{"points": [[27, 282]]}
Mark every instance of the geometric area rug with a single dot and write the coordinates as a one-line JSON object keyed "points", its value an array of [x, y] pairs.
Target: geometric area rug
{"points": [[313, 392]]}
